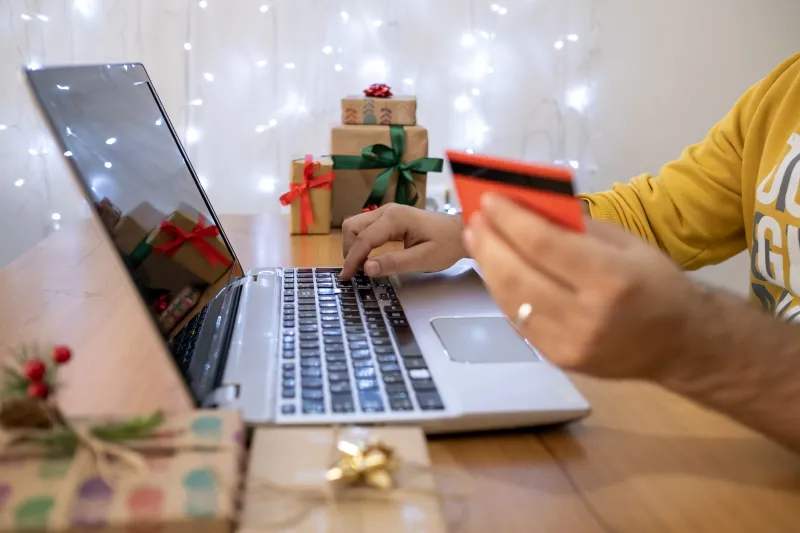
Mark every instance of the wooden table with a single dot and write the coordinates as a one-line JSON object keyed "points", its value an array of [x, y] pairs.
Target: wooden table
{"points": [[645, 461]]}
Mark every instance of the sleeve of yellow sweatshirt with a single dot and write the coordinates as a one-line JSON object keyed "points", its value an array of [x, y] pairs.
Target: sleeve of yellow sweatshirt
{"points": [[693, 209]]}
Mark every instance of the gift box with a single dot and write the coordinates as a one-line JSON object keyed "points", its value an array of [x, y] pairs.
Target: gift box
{"points": [[189, 241], [395, 110], [375, 165], [286, 488], [134, 227], [172, 308], [190, 482], [310, 197]]}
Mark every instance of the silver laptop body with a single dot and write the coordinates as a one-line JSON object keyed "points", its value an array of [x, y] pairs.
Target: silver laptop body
{"points": [[291, 345]]}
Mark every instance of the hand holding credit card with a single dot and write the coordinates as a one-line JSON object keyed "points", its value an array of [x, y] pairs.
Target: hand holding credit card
{"points": [[545, 189]]}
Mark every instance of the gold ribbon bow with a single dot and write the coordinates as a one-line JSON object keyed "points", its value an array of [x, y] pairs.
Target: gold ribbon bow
{"points": [[368, 462]]}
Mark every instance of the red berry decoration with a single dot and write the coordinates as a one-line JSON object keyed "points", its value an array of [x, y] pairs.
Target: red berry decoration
{"points": [[61, 354], [34, 370], [38, 389]]}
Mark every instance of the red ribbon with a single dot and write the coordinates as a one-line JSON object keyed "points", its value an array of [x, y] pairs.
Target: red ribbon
{"points": [[378, 90], [369, 208], [300, 190], [197, 238]]}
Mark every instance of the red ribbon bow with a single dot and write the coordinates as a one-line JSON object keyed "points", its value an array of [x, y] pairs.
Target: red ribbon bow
{"points": [[300, 190], [369, 208], [378, 90], [197, 238]]}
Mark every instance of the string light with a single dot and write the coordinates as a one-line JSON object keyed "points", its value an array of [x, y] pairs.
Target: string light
{"points": [[111, 140], [578, 98], [33, 151], [159, 122], [345, 16], [67, 154], [267, 185], [337, 67], [468, 40], [63, 87], [208, 76], [289, 66], [43, 18], [84, 7], [197, 102], [262, 63], [327, 49], [502, 11], [202, 4], [26, 17], [377, 23], [462, 103], [408, 81], [187, 46], [192, 135], [572, 37], [558, 45], [475, 91], [495, 7], [203, 181], [56, 216], [19, 183], [3, 127], [272, 123], [574, 164], [34, 65], [264, 8], [107, 164]]}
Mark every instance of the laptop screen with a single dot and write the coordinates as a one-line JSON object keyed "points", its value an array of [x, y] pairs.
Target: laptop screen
{"points": [[125, 153]]}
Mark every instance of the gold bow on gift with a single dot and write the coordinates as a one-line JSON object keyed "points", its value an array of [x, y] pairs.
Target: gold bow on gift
{"points": [[368, 462]]}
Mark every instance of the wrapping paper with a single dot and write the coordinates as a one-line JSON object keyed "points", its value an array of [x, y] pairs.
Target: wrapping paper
{"points": [[320, 199], [366, 110]]}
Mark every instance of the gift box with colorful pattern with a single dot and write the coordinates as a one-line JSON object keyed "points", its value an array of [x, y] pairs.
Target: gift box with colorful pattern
{"points": [[190, 482]]}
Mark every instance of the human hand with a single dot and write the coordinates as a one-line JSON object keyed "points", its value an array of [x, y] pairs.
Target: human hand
{"points": [[604, 303], [432, 241]]}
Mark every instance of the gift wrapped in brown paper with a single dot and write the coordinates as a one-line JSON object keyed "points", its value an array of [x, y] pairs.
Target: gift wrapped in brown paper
{"points": [[310, 196], [310, 480], [192, 243], [375, 165], [189, 482], [134, 227], [365, 110]]}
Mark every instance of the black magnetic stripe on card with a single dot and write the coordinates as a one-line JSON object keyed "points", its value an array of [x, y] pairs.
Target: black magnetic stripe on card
{"points": [[513, 178]]}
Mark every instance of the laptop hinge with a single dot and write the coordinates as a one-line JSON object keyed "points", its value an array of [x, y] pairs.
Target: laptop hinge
{"points": [[222, 396]]}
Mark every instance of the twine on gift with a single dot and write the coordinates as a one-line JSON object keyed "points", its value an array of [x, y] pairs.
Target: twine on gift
{"points": [[302, 191], [196, 238], [390, 158], [361, 472]]}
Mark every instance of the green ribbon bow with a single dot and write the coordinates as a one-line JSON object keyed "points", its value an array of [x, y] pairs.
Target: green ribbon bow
{"points": [[381, 156]]}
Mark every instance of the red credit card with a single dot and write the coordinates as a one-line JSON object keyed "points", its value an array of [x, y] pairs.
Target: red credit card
{"points": [[545, 189]]}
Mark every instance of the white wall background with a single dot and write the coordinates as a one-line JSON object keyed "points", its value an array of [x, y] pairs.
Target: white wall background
{"points": [[613, 87]]}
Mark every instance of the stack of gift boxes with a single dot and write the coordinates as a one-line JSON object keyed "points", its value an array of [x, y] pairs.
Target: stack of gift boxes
{"points": [[380, 155], [173, 258]]}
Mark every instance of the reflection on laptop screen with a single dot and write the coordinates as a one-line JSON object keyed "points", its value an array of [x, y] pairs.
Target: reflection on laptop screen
{"points": [[110, 123]]}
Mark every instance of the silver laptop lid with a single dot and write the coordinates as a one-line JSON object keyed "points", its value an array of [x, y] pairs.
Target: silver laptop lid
{"points": [[126, 155]]}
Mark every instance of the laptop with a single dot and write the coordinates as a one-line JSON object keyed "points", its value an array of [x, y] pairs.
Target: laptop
{"points": [[294, 346]]}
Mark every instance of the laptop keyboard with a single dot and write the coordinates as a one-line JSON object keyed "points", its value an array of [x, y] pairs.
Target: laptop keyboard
{"points": [[347, 348], [182, 344]]}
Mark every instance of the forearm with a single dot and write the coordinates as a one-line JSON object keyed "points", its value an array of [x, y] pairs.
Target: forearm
{"points": [[742, 363]]}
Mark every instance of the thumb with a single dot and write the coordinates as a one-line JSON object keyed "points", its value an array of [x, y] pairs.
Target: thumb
{"points": [[415, 259]]}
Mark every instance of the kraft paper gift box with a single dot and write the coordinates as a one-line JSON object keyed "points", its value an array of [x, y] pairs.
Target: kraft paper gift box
{"points": [[134, 227], [203, 253], [368, 110], [287, 463], [353, 187], [318, 222], [190, 485]]}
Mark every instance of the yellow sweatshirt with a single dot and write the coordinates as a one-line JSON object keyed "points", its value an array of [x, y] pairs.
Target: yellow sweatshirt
{"points": [[736, 190]]}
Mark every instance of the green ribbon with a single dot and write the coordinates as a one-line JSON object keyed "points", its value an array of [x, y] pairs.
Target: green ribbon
{"points": [[378, 156]]}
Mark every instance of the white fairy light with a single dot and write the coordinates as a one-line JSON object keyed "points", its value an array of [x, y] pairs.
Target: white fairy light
{"points": [[202, 4], [408, 81], [467, 40], [375, 68], [33, 151], [159, 122], [289, 66], [19, 183], [495, 7], [192, 135], [197, 102], [337, 67], [84, 7], [208, 76], [572, 37], [476, 130], [3, 127], [345, 16], [574, 164], [62, 87], [272, 123], [489, 70], [67, 154], [187, 46], [578, 98], [558, 45], [470, 151], [107, 164], [43, 18], [462, 103], [34, 65], [56, 216], [111, 140], [264, 8], [267, 184], [377, 23], [502, 11], [327, 49], [203, 181], [25, 16], [261, 128], [261, 63], [485, 34], [56, 226], [475, 91]]}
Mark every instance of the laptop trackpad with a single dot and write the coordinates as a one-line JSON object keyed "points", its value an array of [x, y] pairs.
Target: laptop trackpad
{"points": [[482, 340]]}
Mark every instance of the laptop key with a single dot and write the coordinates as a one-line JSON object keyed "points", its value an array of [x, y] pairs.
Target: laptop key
{"points": [[289, 374], [310, 362], [310, 372], [365, 373], [392, 377], [362, 363], [381, 341], [311, 407], [288, 323], [308, 328], [354, 330], [313, 394], [327, 298], [384, 350], [398, 322], [387, 359], [288, 393], [330, 318], [400, 404], [414, 362], [360, 354], [337, 365], [406, 343], [338, 357], [430, 401], [340, 387], [370, 401], [288, 366], [422, 385], [287, 409], [311, 383], [332, 332], [392, 388], [306, 293], [419, 373], [338, 376], [331, 324], [398, 394], [288, 383], [390, 367], [342, 403], [310, 352], [334, 348], [308, 336], [366, 384]]}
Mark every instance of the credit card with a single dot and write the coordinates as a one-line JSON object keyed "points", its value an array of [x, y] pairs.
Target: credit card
{"points": [[545, 189]]}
